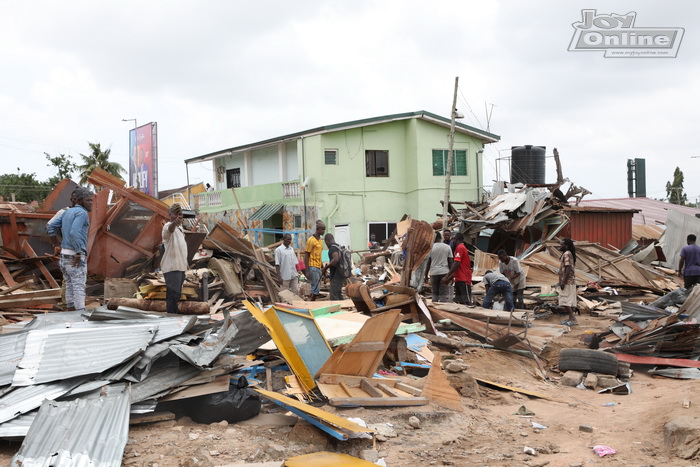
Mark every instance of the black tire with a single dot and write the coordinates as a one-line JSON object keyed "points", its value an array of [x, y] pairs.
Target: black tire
{"points": [[586, 360]]}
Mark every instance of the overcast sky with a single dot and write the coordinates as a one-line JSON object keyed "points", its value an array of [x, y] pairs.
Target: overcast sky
{"points": [[216, 74]]}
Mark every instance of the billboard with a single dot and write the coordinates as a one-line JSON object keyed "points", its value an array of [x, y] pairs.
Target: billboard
{"points": [[143, 158]]}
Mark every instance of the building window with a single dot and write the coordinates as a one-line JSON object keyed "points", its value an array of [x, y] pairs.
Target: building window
{"points": [[330, 156], [381, 230], [377, 163], [459, 162], [233, 178], [297, 222]]}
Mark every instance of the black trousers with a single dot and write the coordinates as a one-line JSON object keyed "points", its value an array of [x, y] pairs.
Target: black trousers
{"points": [[689, 281], [173, 282], [463, 293]]}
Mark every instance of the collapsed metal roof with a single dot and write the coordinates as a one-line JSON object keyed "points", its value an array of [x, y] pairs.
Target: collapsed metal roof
{"points": [[83, 432]]}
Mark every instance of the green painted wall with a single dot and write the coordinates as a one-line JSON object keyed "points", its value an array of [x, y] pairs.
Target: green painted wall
{"points": [[343, 194]]}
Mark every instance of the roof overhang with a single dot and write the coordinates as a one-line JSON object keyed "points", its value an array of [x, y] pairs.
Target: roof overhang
{"points": [[484, 136]]}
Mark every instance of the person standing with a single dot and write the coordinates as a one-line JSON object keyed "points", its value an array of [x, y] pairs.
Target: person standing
{"points": [[74, 226], [462, 271], [496, 283], [337, 279], [510, 267], [286, 264], [439, 264], [373, 244], [567, 280], [689, 264], [174, 262], [313, 259]]}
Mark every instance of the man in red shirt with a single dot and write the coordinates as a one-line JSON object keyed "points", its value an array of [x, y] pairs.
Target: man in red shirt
{"points": [[462, 271]]}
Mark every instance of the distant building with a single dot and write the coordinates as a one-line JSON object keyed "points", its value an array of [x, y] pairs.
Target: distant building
{"points": [[651, 211], [359, 177]]}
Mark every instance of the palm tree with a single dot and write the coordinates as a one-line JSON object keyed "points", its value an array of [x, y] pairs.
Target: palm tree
{"points": [[98, 159]]}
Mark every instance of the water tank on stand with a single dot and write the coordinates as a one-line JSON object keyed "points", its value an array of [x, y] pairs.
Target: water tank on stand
{"points": [[527, 164]]}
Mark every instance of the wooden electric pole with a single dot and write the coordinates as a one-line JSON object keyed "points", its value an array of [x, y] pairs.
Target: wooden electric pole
{"points": [[448, 169]]}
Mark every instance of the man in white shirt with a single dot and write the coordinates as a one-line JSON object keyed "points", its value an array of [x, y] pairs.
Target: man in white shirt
{"points": [[174, 261], [286, 264], [439, 264]]}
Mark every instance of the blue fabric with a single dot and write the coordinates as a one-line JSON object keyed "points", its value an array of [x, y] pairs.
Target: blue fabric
{"points": [[74, 277], [75, 224], [500, 287], [315, 274]]}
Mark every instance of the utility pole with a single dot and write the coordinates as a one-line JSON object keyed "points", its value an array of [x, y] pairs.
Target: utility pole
{"points": [[448, 169]]}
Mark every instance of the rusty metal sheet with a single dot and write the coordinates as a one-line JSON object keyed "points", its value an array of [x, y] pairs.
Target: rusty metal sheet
{"points": [[59, 197]]}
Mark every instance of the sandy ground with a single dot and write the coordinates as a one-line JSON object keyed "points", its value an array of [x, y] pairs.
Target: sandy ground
{"points": [[486, 433]]}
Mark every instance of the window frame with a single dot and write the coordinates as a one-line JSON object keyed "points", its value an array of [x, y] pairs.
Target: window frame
{"points": [[445, 153], [325, 154], [373, 154], [230, 176]]}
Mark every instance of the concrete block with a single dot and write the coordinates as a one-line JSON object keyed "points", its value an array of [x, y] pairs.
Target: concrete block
{"points": [[572, 378]]}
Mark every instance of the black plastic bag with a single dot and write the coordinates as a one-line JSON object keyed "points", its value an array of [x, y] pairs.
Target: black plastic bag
{"points": [[238, 404]]}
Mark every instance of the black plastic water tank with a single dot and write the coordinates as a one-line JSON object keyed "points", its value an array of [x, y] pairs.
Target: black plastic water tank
{"points": [[527, 164]]}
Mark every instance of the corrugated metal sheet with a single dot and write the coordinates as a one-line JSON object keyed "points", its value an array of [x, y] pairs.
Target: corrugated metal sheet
{"points": [[606, 228], [651, 211], [640, 232], [26, 399], [162, 378], [83, 432], [56, 354], [675, 238], [11, 352], [265, 212], [18, 427]]}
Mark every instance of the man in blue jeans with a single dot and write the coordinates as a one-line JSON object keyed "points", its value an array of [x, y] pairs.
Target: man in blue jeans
{"points": [[496, 283], [74, 225]]}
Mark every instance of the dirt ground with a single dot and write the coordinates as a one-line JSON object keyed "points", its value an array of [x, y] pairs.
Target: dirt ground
{"points": [[488, 432]]}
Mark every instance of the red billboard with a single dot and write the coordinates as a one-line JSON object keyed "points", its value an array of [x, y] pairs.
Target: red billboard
{"points": [[143, 158]]}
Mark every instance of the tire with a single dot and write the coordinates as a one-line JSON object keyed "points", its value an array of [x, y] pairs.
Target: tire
{"points": [[586, 360]]}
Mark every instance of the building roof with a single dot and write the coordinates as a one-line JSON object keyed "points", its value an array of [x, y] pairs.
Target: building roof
{"points": [[651, 211], [422, 114]]}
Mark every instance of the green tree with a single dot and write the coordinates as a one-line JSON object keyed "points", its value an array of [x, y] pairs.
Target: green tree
{"points": [[674, 191], [98, 158], [63, 164], [25, 187]]}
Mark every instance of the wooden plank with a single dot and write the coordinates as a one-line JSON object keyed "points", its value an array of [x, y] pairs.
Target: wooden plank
{"points": [[345, 389], [220, 384], [377, 401], [370, 389], [25, 302], [9, 280], [39, 264], [437, 388], [409, 389], [378, 328], [365, 347], [387, 390], [16, 286], [518, 390], [141, 419]]}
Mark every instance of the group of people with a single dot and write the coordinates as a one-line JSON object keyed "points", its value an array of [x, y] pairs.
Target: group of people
{"points": [[448, 261], [289, 265]]}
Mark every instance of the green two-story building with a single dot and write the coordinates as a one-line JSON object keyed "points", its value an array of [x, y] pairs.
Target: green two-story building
{"points": [[359, 177]]}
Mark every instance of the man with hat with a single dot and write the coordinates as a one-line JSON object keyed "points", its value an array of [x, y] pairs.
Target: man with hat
{"points": [[174, 261], [74, 225]]}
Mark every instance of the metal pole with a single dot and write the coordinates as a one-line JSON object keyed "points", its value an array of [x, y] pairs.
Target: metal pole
{"points": [[448, 169]]}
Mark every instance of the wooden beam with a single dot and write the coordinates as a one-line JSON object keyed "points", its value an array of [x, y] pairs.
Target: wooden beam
{"points": [[6, 275], [365, 347], [370, 389]]}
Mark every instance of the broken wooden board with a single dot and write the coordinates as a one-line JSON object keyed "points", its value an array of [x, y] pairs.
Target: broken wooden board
{"points": [[482, 314], [362, 355], [309, 305], [325, 458], [438, 389], [334, 425], [488, 383], [27, 299], [154, 417], [356, 391], [220, 384]]}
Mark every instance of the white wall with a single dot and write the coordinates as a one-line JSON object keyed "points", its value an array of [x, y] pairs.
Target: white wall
{"points": [[265, 166], [293, 172]]}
